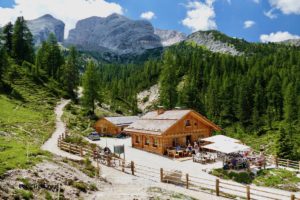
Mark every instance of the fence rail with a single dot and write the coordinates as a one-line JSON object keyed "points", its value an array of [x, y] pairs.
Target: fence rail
{"points": [[217, 187]]}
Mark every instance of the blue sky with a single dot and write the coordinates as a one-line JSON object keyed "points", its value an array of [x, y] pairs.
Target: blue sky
{"points": [[246, 19]]}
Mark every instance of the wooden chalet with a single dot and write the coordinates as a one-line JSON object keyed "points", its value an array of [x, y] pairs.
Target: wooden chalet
{"points": [[160, 130], [114, 125]]}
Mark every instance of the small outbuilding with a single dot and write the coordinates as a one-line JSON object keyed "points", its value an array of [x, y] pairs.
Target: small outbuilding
{"points": [[114, 125], [160, 130]]}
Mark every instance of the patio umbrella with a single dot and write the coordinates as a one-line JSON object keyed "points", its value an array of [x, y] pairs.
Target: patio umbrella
{"points": [[227, 147]]}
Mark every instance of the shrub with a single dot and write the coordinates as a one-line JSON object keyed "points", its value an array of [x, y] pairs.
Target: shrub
{"points": [[23, 194], [80, 186], [93, 187]]}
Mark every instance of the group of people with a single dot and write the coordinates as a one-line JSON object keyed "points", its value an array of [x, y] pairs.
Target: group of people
{"points": [[190, 149], [243, 160]]}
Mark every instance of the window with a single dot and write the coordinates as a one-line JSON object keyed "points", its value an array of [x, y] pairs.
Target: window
{"points": [[104, 130], [147, 141], [187, 122], [155, 142], [137, 139]]}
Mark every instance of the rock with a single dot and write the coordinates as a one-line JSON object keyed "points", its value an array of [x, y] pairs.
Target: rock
{"points": [[169, 37], [43, 26], [209, 40], [148, 98], [292, 42], [115, 33]]}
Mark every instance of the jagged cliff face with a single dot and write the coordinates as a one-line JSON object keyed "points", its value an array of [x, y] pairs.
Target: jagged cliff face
{"points": [[169, 37], [43, 26], [293, 42], [208, 40], [114, 33]]}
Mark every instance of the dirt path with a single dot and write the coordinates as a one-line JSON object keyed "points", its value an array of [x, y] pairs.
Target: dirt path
{"points": [[51, 144]]}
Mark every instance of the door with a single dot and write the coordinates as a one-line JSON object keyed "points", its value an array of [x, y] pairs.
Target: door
{"points": [[188, 140]]}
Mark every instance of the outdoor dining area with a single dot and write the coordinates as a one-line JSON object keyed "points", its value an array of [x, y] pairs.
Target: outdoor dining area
{"points": [[230, 151]]}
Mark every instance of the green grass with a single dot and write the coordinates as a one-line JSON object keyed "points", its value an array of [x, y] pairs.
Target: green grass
{"points": [[25, 123], [278, 178]]}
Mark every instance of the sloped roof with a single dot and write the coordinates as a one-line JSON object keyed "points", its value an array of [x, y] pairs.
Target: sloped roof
{"points": [[154, 123], [220, 138], [122, 121]]}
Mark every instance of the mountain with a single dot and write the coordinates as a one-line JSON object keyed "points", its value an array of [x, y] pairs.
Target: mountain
{"points": [[293, 42], [169, 37], [114, 33], [43, 26], [214, 41]]}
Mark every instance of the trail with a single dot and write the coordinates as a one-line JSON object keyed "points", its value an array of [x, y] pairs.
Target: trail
{"points": [[51, 144]]}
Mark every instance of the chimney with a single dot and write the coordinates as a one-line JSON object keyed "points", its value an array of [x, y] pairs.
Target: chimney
{"points": [[160, 110]]}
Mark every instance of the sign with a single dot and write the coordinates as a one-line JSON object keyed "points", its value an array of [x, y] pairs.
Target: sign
{"points": [[119, 149]]}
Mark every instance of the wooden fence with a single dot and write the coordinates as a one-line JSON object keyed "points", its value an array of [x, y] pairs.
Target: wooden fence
{"points": [[216, 187], [279, 162]]}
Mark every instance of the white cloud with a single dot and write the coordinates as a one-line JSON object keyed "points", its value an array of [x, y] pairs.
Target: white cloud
{"points": [[286, 6], [200, 16], [256, 1], [278, 37], [249, 24], [147, 15], [69, 11], [270, 14]]}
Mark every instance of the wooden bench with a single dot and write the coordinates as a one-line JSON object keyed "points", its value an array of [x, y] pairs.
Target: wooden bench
{"points": [[172, 153]]}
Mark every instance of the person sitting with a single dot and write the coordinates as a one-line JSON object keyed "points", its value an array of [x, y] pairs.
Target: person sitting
{"points": [[190, 147], [178, 147], [196, 147]]}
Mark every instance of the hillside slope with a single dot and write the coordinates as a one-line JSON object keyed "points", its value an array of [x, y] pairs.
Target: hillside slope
{"points": [[26, 121]]}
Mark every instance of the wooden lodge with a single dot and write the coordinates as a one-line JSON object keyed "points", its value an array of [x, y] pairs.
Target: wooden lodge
{"points": [[160, 130], [113, 125]]}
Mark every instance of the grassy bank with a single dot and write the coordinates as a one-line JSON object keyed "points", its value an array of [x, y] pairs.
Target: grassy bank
{"points": [[26, 121], [275, 178]]}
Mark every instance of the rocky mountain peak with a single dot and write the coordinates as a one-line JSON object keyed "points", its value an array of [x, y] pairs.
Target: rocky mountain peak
{"points": [[114, 33], [169, 37], [43, 26], [214, 41]]}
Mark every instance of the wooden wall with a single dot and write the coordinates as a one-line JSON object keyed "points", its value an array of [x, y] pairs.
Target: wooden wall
{"points": [[196, 130], [104, 126]]}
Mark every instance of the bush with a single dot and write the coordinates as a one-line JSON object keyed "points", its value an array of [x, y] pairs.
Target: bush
{"points": [[23, 194], [93, 187], [48, 196], [240, 177], [80, 186]]}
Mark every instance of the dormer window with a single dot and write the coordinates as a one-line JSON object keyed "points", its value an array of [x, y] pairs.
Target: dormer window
{"points": [[187, 123]]}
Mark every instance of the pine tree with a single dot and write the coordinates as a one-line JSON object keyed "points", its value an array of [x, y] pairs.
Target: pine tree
{"points": [[91, 90], [71, 73], [7, 37], [168, 83], [290, 104], [3, 62], [285, 145], [54, 58], [22, 42]]}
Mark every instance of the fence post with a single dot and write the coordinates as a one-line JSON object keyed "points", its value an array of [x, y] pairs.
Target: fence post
{"points": [[70, 147], [299, 165], [161, 175], [81, 152], [293, 197], [187, 181], [108, 160], [276, 161], [123, 165], [132, 167], [97, 169], [217, 187], [287, 163], [248, 192]]}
